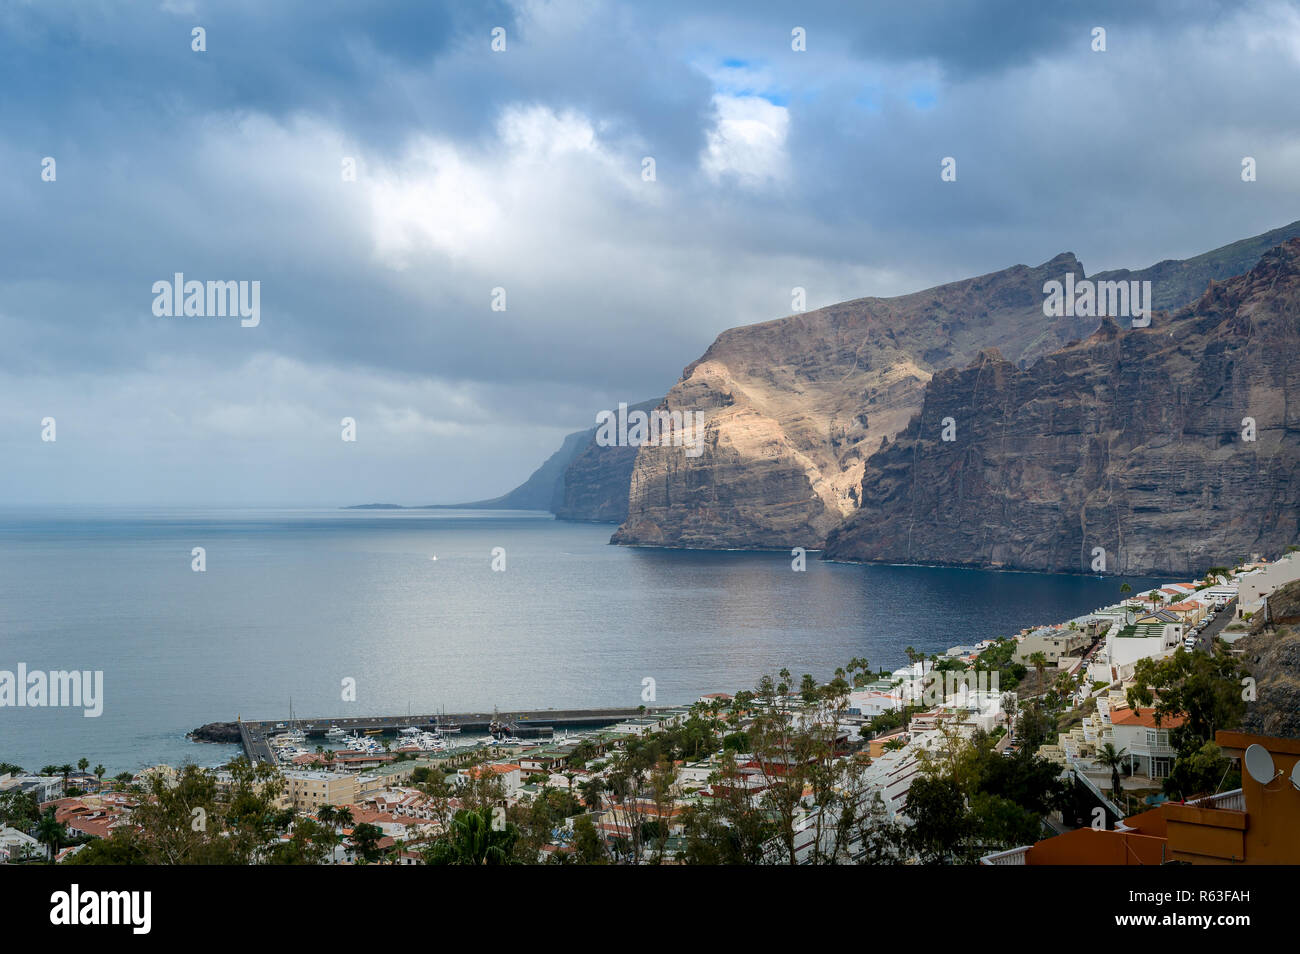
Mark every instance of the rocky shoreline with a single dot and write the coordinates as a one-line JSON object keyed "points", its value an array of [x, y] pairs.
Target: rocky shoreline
{"points": [[226, 733]]}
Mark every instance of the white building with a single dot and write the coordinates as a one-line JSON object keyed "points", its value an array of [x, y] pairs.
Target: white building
{"points": [[15, 844], [1148, 748], [872, 702], [1255, 586]]}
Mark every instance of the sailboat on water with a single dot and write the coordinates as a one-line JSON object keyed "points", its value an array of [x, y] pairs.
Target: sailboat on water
{"points": [[443, 727]]}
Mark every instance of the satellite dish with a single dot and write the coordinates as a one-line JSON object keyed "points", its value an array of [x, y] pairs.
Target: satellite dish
{"points": [[1260, 764], [1295, 775]]}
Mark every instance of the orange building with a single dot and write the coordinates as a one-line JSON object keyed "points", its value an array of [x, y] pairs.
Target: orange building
{"points": [[1257, 824]]}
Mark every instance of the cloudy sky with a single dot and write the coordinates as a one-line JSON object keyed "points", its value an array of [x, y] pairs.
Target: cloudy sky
{"points": [[522, 169]]}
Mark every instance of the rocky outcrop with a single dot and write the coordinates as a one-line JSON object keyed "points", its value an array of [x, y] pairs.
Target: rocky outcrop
{"points": [[794, 407], [1282, 608], [224, 732], [1272, 654], [1132, 442]]}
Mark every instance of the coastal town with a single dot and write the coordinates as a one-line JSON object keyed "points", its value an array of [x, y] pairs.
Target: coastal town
{"points": [[1116, 737]]}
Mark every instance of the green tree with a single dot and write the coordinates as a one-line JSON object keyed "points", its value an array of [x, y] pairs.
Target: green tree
{"points": [[51, 833], [1036, 725], [365, 842], [1203, 772], [471, 839], [588, 846], [1039, 661], [1203, 688]]}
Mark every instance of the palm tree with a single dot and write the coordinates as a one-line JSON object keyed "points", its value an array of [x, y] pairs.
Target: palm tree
{"points": [[591, 790], [1112, 758], [912, 656], [471, 840], [860, 668], [51, 833], [1039, 661], [1124, 590], [99, 774], [65, 770]]}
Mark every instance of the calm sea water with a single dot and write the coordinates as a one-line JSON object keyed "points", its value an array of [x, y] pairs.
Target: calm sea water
{"points": [[295, 601]]}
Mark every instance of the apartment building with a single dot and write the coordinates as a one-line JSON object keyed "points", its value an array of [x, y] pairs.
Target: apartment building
{"points": [[308, 791]]}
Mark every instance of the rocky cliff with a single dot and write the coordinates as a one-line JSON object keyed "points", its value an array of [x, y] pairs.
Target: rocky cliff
{"points": [[1272, 654], [1131, 442], [794, 407], [594, 484]]}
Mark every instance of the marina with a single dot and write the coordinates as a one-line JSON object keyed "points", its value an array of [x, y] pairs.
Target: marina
{"points": [[263, 740]]}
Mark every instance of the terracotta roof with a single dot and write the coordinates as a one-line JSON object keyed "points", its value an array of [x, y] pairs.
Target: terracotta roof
{"points": [[1144, 717], [477, 770]]}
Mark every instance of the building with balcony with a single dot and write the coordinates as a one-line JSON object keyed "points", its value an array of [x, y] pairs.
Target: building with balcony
{"points": [[1146, 743]]}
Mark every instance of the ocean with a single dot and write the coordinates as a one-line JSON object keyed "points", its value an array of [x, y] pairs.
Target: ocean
{"points": [[406, 605]]}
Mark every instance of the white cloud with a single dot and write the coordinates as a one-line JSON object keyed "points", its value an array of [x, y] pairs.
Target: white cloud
{"points": [[747, 142], [475, 203]]}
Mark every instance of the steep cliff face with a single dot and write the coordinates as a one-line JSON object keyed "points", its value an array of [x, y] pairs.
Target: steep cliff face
{"points": [[595, 481], [1131, 441], [794, 407]]}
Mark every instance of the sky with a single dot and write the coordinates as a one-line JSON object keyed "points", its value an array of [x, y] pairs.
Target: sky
{"points": [[518, 176]]}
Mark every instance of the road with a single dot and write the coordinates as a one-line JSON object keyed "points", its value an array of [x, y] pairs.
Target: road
{"points": [[1205, 641]]}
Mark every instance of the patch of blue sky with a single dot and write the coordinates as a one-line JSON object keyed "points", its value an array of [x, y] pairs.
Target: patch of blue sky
{"points": [[923, 97]]}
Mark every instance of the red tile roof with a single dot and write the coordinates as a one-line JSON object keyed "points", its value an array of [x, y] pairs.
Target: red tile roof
{"points": [[1144, 717]]}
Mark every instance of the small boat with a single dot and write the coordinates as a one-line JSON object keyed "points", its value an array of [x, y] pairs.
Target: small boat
{"points": [[334, 732]]}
